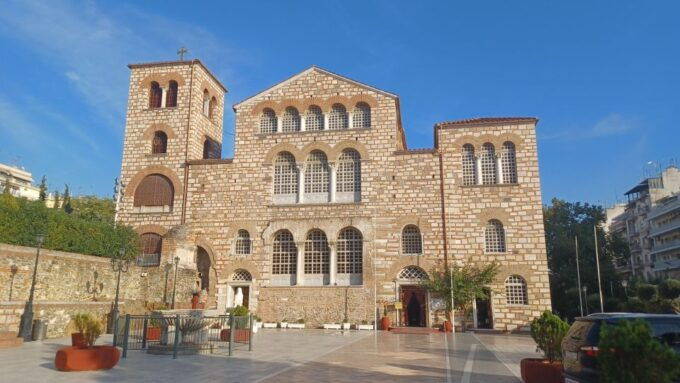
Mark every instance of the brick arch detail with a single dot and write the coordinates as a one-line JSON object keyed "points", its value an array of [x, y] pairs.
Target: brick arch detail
{"points": [[163, 79], [328, 103], [283, 147], [165, 128], [262, 105], [512, 137], [212, 92], [368, 99], [494, 213], [496, 140], [305, 103], [403, 262], [154, 169], [247, 265], [335, 153], [317, 145], [152, 228], [404, 221], [283, 104]]}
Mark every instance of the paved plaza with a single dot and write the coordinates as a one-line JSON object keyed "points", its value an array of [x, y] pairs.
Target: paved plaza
{"points": [[301, 356]]}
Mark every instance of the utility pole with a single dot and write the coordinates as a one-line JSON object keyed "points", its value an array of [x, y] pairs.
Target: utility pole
{"points": [[597, 261], [578, 277]]}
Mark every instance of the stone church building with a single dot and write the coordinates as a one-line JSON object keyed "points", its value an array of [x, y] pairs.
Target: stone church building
{"points": [[324, 213]]}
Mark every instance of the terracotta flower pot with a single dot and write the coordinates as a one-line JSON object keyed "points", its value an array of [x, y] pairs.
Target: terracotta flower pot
{"points": [[241, 335], [536, 370], [153, 333], [448, 326], [385, 323], [78, 340], [86, 359], [194, 302]]}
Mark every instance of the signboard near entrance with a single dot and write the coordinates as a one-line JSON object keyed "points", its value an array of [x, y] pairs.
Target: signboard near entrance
{"points": [[398, 306]]}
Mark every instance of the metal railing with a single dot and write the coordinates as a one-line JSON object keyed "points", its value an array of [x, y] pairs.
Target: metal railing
{"points": [[146, 260]]}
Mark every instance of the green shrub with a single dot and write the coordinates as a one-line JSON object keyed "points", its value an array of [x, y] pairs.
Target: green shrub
{"points": [[548, 331], [635, 305], [629, 354], [670, 289], [646, 291], [81, 320], [301, 320], [92, 331], [239, 311]]}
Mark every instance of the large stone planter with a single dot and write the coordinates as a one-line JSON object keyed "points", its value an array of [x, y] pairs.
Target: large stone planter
{"points": [[153, 333], [536, 370], [86, 359]]}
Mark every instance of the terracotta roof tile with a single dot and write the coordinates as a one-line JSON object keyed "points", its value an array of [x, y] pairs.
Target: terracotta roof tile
{"points": [[487, 120]]}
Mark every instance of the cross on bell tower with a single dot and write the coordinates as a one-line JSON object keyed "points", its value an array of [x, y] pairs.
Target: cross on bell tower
{"points": [[181, 53]]}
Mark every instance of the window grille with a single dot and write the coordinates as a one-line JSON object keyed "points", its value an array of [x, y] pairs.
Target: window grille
{"points": [[150, 255], [516, 290], [509, 163], [361, 118], [160, 143], [317, 253], [284, 254], [494, 237], [241, 275], [171, 96], [338, 118], [155, 95], [349, 172], [412, 273], [350, 251], [243, 243], [291, 120], [285, 174], [154, 190], [268, 121], [314, 118], [316, 173], [411, 241], [469, 164], [488, 164]]}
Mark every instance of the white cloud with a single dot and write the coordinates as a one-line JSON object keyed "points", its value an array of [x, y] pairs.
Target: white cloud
{"points": [[611, 125]]}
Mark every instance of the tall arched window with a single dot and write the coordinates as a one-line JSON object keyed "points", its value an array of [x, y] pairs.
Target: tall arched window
{"points": [[211, 149], [361, 118], [317, 253], [509, 163], [155, 95], [211, 107], [516, 291], [469, 164], [314, 119], [488, 160], [285, 174], [155, 190], [338, 118], [243, 243], [291, 120], [494, 237], [268, 121], [316, 173], [206, 102], [150, 254], [411, 241], [284, 253], [171, 96], [349, 172], [350, 251], [159, 144]]}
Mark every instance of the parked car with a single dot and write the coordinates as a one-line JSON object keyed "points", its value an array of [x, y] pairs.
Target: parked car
{"points": [[579, 346]]}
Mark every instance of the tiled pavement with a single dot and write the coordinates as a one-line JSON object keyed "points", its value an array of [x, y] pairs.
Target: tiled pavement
{"points": [[301, 356]]}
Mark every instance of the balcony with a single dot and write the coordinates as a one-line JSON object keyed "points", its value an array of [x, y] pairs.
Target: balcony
{"points": [[666, 265], [658, 230], [664, 209], [664, 247]]}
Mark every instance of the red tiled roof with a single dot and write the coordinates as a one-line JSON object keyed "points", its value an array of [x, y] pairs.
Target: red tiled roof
{"points": [[487, 120]]}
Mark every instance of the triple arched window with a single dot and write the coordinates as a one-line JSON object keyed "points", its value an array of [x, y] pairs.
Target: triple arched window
{"points": [[494, 237], [469, 164], [154, 193], [268, 121], [317, 253], [159, 144], [411, 240], [284, 253], [291, 120], [361, 118], [349, 172], [516, 291], [158, 98], [350, 251], [316, 173], [338, 118], [313, 119], [509, 163], [489, 168]]}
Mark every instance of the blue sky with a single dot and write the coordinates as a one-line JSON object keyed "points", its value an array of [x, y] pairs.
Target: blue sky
{"points": [[602, 76]]}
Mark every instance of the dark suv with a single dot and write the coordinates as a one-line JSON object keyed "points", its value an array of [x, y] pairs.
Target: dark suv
{"points": [[579, 347]]}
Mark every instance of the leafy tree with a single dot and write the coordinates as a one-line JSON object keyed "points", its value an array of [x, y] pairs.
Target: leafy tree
{"points": [[56, 200], [548, 331], [43, 189], [7, 189], [94, 208], [646, 292], [670, 289]]}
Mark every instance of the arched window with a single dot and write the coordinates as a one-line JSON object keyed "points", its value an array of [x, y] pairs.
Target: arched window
{"points": [[488, 164], [211, 149], [211, 107], [316, 173], [150, 254], [411, 241], [206, 103], [349, 172], [350, 251], [155, 190], [516, 291], [338, 118], [284, 254], [159, 144], [412, 273], [171, 96], [155, 95], [469, 164], [509, 163], [317, 253], [285, 174], [243, 243], [494, 237], [268, 121], [241, 275], [291, 120], [361, 118], [314, 118]]}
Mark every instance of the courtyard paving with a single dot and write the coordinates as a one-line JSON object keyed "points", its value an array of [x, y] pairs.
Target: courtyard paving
{"points": [[301, 356]]}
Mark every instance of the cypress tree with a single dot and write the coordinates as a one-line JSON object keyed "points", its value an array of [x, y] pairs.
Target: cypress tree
{"points": [[56, 200], [67, 200], [43, 189]]}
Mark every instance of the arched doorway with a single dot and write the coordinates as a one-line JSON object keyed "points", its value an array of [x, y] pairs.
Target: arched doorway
{"points": [[413, 296], [203, 267]]}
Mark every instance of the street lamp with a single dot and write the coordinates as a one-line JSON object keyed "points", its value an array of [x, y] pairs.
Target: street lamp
{"points": [[624, 283], [27, 316], [119, 265], [585, 296], [174, 283]]}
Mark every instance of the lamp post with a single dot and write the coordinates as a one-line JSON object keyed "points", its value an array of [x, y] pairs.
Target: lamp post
{"points": [[624, 283], [174, 283], [119, 265], [27, 316], [585, 296]]}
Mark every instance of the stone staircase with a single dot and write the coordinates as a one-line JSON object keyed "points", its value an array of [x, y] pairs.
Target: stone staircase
{"points": [[9, 339]]}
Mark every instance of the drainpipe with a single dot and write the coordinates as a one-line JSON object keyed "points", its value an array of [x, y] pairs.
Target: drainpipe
{"points": [[443, 212], [186, 148]]}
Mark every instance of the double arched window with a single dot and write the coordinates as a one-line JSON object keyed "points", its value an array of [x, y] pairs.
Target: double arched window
{"points": [[494, 237], [155, 192], [171, 96], [488, 160], [361, 117], [349, 172], [469, 165], [160, 99], [285, 178], [268, 121], [411, 241], [243, 243], [155, 95], [314, 119], [317, 253], [316, 173], [159, 144], [338, 119], [284, 253], [516, 291], [350, 251], [291, 120], [151, 246], [509, 163]]}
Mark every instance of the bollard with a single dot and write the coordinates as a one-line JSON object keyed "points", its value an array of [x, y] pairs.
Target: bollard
{"points": [[250, 336], [232, 330], [126, 334], [144, 329], [175, 346]]}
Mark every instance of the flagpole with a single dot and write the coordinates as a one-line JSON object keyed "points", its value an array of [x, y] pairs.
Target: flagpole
{"points": [[578, 277], [597, 259]]}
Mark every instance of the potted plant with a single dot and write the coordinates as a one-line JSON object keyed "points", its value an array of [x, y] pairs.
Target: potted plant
{"points": [[345, 323], [284, 323], [240, 334], [547, 331], [91, 357], [153, 332], [365, 325], [300, 324], [385, 320], [80, 322]]}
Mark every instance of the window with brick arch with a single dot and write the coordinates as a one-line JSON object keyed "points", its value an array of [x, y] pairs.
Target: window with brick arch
{"points": [[243, 243], [488, 162], [154, 190], [155, 95], [317, 253], [338, 118], [350, 251], [316, 173], [361, 118], [509, 163], [494, 237], [469, 165], [211, 107], [159, 144], [206, 103], [150, 254], [291, 120], [211, 149], [314, 118], [284, 253], [268, 121], [171, 96], [516, 291], [349, 172], [411, 241], [285, 174]]}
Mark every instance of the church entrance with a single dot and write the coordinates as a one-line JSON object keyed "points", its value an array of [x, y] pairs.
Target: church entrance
{"points": [[414, 306], [203, 267], [241, 295], [483, 312]]}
